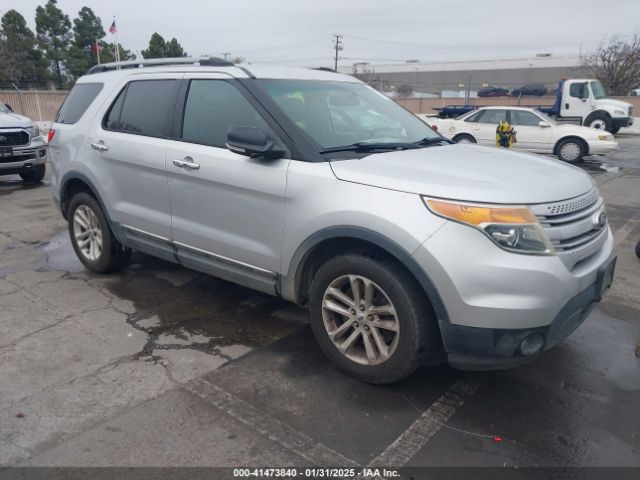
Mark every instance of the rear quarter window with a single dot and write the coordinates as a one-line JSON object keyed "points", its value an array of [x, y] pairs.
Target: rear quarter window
{"points": [[77, 102], [142, 108]]}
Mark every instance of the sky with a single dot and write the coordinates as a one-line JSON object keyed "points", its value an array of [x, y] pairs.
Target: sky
{"points": [[300, 32]]}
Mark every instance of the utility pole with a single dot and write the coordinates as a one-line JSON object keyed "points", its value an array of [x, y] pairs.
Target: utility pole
{"points": [[226, 55], [338, 47]]}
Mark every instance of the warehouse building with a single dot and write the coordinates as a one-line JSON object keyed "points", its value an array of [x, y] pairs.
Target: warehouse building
{"points": [[456, 77]]}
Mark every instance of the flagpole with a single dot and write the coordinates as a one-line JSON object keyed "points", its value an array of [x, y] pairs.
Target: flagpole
{"points": [[117, 44], [98, 51]]}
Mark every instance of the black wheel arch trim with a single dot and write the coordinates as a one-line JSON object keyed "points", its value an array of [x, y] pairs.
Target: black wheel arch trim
{"points": [[70, 176], [594, 114], [358, 233]]}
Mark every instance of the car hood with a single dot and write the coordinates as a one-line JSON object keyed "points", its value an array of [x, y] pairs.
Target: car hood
{"points": [[13, 120], [470, 173]]}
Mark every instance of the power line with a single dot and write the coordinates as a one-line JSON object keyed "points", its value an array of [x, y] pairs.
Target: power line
{"points": [[286, 46]]}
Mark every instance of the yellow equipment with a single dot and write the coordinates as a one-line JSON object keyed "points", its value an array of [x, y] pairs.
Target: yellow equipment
{"points": [[505, 135]]}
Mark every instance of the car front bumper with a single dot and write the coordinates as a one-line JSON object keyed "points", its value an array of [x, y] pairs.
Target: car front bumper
{"points": [[496, 299], [22, 159], [600, 147], [622, 122]]}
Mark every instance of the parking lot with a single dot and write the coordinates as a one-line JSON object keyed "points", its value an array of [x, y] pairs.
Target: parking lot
{"points": [[163, 366]]}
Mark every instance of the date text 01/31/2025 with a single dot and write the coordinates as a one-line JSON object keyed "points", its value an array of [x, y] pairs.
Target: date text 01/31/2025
{"points": [[341, 473]]}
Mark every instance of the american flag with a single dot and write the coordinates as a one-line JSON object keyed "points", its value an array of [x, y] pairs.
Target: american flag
{"points": [[112, 28]]}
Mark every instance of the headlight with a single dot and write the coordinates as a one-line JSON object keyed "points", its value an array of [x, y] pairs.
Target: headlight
{"points": [[621, 113], [512, 228], [605, 137], [33, 131]]}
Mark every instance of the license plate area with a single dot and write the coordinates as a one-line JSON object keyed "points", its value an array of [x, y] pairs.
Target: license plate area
{"points": [[6, 151], [605, 278]]}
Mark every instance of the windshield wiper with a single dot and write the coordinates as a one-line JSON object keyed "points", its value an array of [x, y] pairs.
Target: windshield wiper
{"points": [[432, 141], [368, 146]]}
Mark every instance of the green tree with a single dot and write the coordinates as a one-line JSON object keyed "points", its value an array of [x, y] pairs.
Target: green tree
{"points": [[20, 60], [174, 49], [107, 53], [87, 30], [158, 48], [54, 34]]}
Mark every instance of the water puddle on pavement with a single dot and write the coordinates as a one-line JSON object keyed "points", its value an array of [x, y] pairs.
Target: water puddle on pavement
{"points": [[180, 308], [598, 166]]}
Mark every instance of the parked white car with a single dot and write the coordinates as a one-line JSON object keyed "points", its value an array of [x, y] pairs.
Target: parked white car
{"points": [[536, 132]]}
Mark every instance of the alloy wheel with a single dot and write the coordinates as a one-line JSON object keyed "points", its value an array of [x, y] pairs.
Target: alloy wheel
{"points": [[87, 233], [360, 320]]}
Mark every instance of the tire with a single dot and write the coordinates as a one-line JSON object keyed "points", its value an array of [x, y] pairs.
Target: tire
{"points": [[85, 210], [464, 138], [570, 150], [407, 347], [600, 121], [638, 249], [35, 175], [614, 130]]}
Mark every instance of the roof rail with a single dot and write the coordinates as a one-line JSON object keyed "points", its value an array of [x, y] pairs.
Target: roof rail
{"points": [[158, 62]]}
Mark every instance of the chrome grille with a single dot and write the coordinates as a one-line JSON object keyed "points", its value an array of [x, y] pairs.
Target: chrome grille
{"points": [[573, 226], [14, 138]]}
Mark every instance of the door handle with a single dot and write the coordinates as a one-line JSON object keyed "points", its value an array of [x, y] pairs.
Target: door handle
{"points": [[187, 163], [100, 146]]}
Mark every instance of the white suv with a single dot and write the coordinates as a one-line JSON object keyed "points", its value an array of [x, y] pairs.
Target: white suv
{"points": [[313, 186]]}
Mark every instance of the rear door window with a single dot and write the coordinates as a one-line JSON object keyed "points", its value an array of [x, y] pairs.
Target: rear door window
{"points": [[77, 102], [524, 118], [143, 108]]}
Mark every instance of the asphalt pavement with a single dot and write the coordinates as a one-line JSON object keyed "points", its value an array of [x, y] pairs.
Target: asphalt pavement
{"points": [[162, 366]]}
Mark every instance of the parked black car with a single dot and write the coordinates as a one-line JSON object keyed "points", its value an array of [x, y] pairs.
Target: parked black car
{"points": [[530, 89], [493, 91]]}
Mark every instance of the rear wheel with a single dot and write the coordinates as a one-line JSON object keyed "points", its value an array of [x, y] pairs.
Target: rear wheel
{"points": [[464, 138], [92, 238], [570, 150], [34, 175], [371, 318]]}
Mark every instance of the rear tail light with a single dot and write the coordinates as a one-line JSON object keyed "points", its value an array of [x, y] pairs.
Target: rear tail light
{"points": [[51, 135]]}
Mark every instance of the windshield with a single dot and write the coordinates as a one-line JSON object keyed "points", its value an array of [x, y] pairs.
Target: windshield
{"points": [[598, 90], [336, 114], [546, 117]]}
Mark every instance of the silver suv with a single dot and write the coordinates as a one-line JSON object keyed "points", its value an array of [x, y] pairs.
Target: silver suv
{"points": [[22, 148], [313, 186]]}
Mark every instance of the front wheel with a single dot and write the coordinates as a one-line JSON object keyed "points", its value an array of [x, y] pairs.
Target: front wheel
{"points": [[600, 121], [464, 138], [371, 318], [35, 175], [570, 150], [92, 238]]}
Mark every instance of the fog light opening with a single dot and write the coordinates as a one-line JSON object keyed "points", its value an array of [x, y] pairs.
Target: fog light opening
{"points": [[532, 344]]}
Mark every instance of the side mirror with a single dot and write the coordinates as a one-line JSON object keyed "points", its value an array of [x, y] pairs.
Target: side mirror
{"points": [[543, 124], [253, 142]]}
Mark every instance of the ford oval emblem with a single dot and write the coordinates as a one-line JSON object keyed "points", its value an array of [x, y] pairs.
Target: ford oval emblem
{"points": [[3, 138]]}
